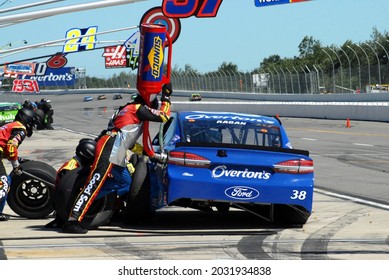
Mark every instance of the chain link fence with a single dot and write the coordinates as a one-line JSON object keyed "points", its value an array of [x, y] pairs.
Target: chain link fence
{"points": [[303, 80]]}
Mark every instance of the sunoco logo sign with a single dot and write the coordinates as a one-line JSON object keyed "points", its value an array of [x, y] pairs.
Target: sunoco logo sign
{"points": [[156, 57], [241, 192]]}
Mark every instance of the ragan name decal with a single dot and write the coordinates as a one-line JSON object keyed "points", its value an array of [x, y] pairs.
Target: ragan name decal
{"points": [[231, 122]]}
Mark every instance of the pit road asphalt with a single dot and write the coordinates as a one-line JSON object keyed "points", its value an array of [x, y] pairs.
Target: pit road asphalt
{"points": [[342, 226]]}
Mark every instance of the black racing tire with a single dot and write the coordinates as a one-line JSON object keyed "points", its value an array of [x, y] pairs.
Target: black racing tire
{"points": [[138, 206], [29, 197], [99, 213], [134, 159], [65, 193], [290, 214]]}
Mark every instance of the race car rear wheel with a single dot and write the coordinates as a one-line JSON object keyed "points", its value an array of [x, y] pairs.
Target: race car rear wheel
{"points": [[30, 197]]}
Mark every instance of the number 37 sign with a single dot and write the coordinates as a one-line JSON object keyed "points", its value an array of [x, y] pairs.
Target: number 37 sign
{"points": [[187, 8]]}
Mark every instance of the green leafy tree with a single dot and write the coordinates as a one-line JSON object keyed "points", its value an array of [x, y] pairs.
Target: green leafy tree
{"points": [[308, 46], [270, 61], [189, 69], [228, 67]]}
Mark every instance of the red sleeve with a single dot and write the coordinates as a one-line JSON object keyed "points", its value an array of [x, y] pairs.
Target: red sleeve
{"points": [[17, 137], [145, 113]]}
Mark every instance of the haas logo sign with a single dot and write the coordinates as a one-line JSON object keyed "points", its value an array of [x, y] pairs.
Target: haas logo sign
{"points": [[115, 56], [241, 192]]}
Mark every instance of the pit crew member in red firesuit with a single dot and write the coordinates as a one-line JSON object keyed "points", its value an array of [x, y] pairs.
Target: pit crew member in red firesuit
{"points": [[125, 127], [11, 136]]}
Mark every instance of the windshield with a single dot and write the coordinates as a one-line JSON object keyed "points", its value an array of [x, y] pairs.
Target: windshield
{"points": [[240, 133], [9, 107]]}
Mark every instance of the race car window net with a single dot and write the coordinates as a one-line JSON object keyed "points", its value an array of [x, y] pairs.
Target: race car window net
{"points": [[168, 131], [237, 133]]}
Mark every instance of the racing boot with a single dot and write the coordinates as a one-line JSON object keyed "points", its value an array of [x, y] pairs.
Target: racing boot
{"points": [[3, 217], [73, 227], [56, 223]]}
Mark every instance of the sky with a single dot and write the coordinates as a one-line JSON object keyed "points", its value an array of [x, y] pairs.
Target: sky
{"points": [[241, 33]]}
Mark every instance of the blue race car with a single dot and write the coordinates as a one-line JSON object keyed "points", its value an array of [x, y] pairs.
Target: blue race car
{"points": [[87, 98], [231, 160], [214, 160]]}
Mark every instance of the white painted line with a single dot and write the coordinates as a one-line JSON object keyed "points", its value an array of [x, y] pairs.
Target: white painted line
{"points": [[361, 144], [306, 103], [354, 199], [309, 139]]}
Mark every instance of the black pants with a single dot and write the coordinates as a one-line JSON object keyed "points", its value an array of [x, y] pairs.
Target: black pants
{"points": [[49, 119], [97, 176]]}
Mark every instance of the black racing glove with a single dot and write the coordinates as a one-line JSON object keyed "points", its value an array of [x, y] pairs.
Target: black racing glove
{"points": [[166, 92]]}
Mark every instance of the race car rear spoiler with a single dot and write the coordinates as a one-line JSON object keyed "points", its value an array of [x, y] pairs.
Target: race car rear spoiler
{"points": [[246, 147]]}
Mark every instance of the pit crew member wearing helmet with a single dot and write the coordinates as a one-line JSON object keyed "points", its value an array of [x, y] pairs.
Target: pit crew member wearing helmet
{"points": [[45, 106], [125, 127], [11, 137]]}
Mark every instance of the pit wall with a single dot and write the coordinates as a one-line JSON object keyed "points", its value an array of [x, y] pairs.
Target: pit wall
{"points": [[364, 106]]}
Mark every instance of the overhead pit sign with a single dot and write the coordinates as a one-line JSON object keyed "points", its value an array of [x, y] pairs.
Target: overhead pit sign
{"points": [[115, 56], [24, 68], [262, 3], [64, 76]]}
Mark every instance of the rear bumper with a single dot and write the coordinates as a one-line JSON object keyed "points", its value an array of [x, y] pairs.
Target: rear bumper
{"points": [[297, 192]]}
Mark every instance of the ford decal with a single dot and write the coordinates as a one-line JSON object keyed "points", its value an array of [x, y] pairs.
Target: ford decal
{"points": [[241, 192]]}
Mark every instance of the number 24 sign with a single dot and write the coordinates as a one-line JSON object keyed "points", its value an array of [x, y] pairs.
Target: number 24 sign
{"points": [[80, 39]]}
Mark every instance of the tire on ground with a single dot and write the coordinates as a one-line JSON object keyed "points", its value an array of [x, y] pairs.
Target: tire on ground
{"points": [[31, 198]]}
